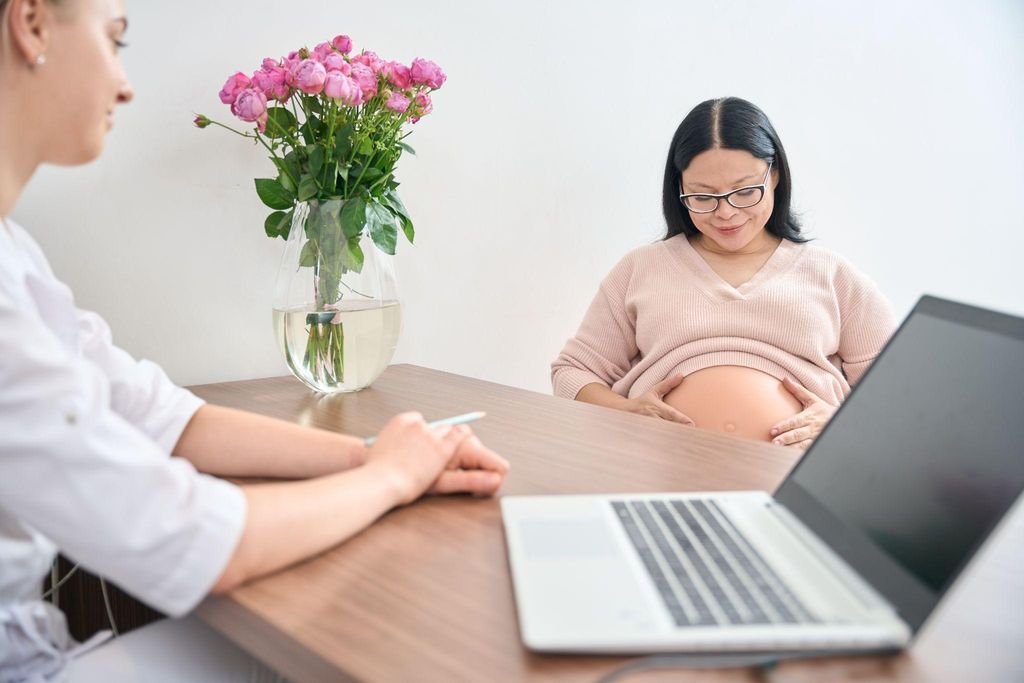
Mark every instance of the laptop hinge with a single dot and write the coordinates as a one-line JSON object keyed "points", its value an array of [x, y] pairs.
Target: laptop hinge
{"points": [[859, 588]]}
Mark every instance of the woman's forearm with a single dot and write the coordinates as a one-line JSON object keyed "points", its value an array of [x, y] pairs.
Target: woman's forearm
{"points": [[601, 395], [234, 443], [289, 521]]}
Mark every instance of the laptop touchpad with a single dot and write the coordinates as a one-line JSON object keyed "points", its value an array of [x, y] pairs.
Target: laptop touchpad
{"points": [[560, 538]]}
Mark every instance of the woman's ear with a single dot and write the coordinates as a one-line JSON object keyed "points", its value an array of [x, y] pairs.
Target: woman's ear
{"points": [[28, 25]]}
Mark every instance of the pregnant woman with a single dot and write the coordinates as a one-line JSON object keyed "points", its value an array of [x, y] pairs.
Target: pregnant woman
{"points": [[731, 322]]}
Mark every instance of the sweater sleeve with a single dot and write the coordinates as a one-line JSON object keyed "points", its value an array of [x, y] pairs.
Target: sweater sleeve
{"points": [[866, 323], [604, 347]]}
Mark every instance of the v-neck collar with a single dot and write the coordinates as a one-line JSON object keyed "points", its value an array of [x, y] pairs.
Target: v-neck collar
{"points": [[713, 283]]}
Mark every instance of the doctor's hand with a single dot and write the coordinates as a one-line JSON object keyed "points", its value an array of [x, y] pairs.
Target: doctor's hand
{"points": [[800, 430], [652, 403], [417, 459]]}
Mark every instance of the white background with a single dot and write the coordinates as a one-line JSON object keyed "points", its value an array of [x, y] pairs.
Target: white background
{"points": [[542, 164]]}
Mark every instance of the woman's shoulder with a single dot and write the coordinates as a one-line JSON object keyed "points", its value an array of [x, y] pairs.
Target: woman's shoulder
{"points": [[827, 260], [849, 281], [24, 243], [645, 255]]}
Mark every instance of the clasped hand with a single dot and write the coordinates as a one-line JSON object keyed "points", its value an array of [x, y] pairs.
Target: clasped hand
{"points": [[421, 459]]}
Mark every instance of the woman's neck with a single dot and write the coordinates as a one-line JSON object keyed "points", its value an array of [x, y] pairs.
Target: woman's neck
{"points": [[18, 158], [765, 242]]}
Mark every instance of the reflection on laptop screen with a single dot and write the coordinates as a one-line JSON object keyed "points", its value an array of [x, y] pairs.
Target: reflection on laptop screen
{"points": [[926, 455]]}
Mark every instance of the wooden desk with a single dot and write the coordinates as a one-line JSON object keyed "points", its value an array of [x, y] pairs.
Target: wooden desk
{"points": [[425, 594]]}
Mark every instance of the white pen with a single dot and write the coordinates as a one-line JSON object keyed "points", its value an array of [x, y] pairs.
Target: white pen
{"points": [[457, 420]]}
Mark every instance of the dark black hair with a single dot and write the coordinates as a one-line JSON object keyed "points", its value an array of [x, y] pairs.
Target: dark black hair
{"points": [[727, 123]]}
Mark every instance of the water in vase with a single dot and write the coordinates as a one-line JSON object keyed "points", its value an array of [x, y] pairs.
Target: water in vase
{"points": [[343, 350]]}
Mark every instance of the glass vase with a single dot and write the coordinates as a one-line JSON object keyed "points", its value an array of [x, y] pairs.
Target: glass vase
{"points": [[336, 310]]}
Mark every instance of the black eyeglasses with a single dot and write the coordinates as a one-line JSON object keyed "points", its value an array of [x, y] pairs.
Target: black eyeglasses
{"points": [[742, 198]]}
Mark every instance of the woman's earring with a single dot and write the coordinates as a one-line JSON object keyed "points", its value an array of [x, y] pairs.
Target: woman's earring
{"points": [[39, 61]]}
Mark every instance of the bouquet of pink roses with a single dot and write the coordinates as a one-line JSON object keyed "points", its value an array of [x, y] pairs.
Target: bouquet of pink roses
{"points": [[333, 124]]}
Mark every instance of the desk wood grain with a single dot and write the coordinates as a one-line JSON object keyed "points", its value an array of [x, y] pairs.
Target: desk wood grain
{"points": [[425, 594]]}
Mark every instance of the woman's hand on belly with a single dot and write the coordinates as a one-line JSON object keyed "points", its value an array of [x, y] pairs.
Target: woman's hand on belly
{"points": [[653, 405], [800, 430], [735, 400]]}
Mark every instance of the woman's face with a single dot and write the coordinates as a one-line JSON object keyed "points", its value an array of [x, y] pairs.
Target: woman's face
{"points": [[718, 171], [82, 78]]}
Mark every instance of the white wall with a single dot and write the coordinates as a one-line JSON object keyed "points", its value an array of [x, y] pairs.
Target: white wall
{"points": [[542, 163]]}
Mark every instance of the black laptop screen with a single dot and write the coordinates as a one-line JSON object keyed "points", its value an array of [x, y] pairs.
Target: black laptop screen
{"points": [[925, 457]]}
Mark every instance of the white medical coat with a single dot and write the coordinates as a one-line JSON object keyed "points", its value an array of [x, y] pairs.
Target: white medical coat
{"points": [[85, 437]]}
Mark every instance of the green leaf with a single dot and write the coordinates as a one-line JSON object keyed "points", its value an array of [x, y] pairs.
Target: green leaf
{"points": [[315, 128], [283, 175], [329, 281], [407, 148], [287, 183], [331, 236], [307, 188], [280, 122], [289, 171], [316, 160], [383, 229], [278, 223], [353, 218], [352, 257], [343, 141], [392, 201], [330, 211], [407, 228], [273, 194], [307, 257], [366, 147], [371, 175], [314, 105]]}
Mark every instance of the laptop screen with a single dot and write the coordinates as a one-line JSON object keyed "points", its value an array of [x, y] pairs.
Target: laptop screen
{"points": [[924, 458]]}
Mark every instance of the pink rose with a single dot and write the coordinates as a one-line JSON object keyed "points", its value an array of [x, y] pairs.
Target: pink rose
{"points": [[236, 84], [335, 62], [309, 76], [398, 75], [340, 87], [342, 44], [370, 59], [250, 105], [425, 72], [321, 51], [290, 64], [397, 102], [365, 78], [421, 107], [272, 81]]}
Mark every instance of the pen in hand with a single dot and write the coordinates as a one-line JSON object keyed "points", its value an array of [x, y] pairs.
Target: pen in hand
{"points": [[456, 420]]}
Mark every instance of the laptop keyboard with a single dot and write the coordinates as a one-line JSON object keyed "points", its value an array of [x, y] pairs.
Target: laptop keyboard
{"points": [[708, 574]]}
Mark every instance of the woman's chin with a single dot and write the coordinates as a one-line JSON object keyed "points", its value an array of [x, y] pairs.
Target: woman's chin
{"points": [[82, 154]]}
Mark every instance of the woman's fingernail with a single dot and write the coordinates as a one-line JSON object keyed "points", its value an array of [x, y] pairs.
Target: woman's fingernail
{"points": [[774, 431], [777, 442]]}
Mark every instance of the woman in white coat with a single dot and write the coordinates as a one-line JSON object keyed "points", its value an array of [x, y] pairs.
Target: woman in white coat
{"points": [[104, 459]]}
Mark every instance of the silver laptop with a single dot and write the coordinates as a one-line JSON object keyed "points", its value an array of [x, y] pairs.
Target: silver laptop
{"points": [[854, 551]]}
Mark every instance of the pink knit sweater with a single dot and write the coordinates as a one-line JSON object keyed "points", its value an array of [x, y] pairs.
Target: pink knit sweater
{"points": [[662, 310]]}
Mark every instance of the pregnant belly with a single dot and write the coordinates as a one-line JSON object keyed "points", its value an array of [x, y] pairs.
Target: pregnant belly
{"points": [[734, 400]]}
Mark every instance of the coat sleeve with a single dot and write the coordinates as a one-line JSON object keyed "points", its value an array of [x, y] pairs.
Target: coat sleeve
{"points": [[100, 485]]}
